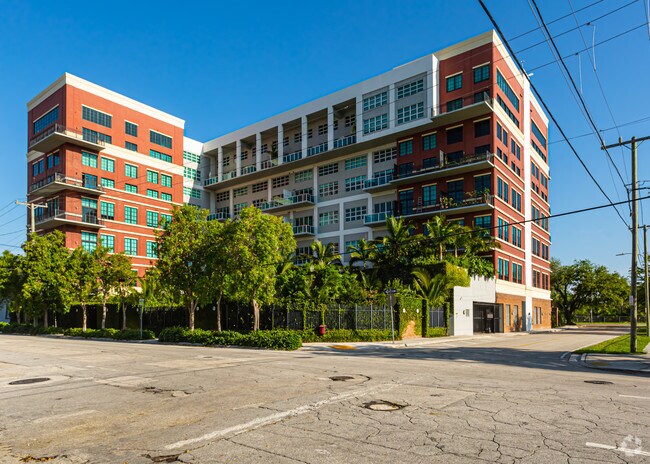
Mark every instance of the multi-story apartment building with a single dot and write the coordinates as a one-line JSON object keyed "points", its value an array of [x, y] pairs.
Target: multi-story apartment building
{"points": [[457, 132]]}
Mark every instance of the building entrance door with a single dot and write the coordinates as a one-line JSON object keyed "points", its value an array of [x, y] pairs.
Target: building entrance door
{"points": [[487, 318]]}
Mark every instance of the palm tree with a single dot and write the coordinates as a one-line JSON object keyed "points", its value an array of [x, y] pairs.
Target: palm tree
{"points": [[441, 233], [323, 255], [432, 290], [363, 252], [393, 251]]}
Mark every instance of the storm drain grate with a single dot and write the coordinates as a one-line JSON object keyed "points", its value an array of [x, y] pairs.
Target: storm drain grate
{"points": [[599, 382], [28, 381], [382, 405], [341, 378]]}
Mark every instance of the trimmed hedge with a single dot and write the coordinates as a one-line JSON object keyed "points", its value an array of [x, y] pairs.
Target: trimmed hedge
{"points": [[346, 335], [437, 332], [273, 339], [128, 334]]}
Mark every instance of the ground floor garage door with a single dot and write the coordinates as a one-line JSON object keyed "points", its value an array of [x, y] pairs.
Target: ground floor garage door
{"points": [[487, 318]]}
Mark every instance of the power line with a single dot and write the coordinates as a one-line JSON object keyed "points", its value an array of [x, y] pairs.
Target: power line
{"points": [[556, 20], [532, 86], [629, 123]]}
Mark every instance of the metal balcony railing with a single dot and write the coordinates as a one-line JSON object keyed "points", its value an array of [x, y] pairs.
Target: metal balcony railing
{"points": [[219, 216], [67, 131], [295, 156], [62, 179], [304, 229], [315, 150], [344, 141], [444, 163], [460, 103]]}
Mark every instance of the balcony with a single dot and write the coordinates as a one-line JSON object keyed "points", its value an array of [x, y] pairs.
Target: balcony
{"points": [[446, 167], [250, 169], [220, 216], [446, 205], [295, 156], [58, 182], [304, 231], [59, 217], [229, 175], [376, 184], [315, 150], [57, 134], [292, 203], [345, 141], [267, 164], [210, 181], [376, 219], [458, 110]]}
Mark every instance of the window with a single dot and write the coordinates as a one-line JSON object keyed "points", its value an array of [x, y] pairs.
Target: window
{"points": [[165, 180], [89, 159], [454, 82], [152, 193], [108, 164], [538, 134], [355, 183], [131, 246], [108, 242], [517, 272], [483, 149], [350, 120], [516, 200], [503, 229], [384, 155], [481, 96], [130, 215], [410, 113], [152, 219], [455, 191], [131, 171], [516, 236], [260, 186], [130, 128], [192, 193], [508, 111], [406, 201], [544, 251], [405, 169], [160, 139], [160, 156], [53, 160], [357, 213], [46, 120], [191, 173], [538, 150], [328, 190], [303, 176], [322, 129], [410, 89], [328, 218], [454, 105], [152, 177], [483, 183], [130, 146], [429, 195], [482, 128], [222, 196], [428, 163], [238, 207], [507, 90], [166, 196], [536, 278], [375, 101], [189, 156], [95, 137], [455, 135], [406, 148], [502, 189], [356, 162], [107, 210], [310, 132], [503, 269], [297, 137], [328, 169], [484, 222], [89, 114], [481, 73], [281, 181], [375, 124], [165, 219], [38, 167], [131, 188], [88, 241], [110, 183], [429, 142]]}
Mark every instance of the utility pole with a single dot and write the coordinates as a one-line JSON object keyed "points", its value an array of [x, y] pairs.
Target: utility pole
{"points": [[32, 206], [635, 233], [647, 284]]}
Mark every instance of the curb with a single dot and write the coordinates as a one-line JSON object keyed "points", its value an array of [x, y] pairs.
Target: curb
{"points": [[585, 363]]}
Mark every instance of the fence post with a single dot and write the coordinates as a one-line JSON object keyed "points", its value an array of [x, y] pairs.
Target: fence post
{"points": [[355, 317], [384, 315], [339, 311], [370, 316]]}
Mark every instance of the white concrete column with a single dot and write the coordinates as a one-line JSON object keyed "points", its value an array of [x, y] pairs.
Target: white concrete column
{"points": [[392, 98], [303, 125], [219, 164], [528, 242], [315, 182], [238, 158], [258, 151], [269, 184], [359, 118], [280, 143], [330, 128], [231, 202]]}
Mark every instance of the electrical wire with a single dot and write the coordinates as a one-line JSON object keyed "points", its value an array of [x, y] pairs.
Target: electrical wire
{"points": [[629, 123]]}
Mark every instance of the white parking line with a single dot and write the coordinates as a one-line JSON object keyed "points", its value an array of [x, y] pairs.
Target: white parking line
{"points": [[627, 451], [262, 421], [636, 397]]}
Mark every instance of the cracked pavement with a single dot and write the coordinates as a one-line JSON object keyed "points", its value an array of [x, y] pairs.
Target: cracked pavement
{"points": [[502, 398]]}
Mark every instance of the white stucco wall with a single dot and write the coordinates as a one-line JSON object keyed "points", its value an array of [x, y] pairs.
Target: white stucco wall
{"points": [[479, 290]]}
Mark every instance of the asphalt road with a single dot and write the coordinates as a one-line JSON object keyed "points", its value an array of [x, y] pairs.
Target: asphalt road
{"points": [[500, 398]]}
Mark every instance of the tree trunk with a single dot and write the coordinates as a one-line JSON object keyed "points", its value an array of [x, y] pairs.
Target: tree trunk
{"points": [[441, 252], [18, 317], [123, 316], [191, 315], [219, 314], [104, 313], [256, 315], [45, 321], [84, 317], [425, 319]]}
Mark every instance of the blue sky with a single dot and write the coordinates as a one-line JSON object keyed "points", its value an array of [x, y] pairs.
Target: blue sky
{"points": [[223, 65]]}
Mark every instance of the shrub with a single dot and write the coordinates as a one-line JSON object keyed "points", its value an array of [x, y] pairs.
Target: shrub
{"points": [[198, 336], [173, 335], [134, 334], [225, 337], [54, 330], [347, 335], [3, 325], [437, 332], [273, 339]]}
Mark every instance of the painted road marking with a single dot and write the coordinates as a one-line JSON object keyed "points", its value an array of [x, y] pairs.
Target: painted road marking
{"points": [[64, 416], [262, 421], [565, 355], [637, 397], [627, 451]]}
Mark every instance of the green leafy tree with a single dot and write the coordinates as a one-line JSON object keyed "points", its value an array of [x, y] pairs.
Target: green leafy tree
{"points": [[182, 257], [83, 272], [218, 242], [441, 234], [259, 243], [46, 285], [395, 250], [363, 252], [434, 291], [11, 281], [125, 281], [323, 255], [115, 270]]}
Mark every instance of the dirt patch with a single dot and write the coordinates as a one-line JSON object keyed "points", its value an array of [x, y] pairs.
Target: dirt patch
{"points": [[409, 331]]}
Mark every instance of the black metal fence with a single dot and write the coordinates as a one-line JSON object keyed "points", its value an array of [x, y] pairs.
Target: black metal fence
{"points": [[437, 317]]}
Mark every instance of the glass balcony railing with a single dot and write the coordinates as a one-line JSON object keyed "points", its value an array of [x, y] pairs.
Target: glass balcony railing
{"points": [[344, 141], [229, 175], [210, 181], [220, 216], [315, 150], [248, 169], [376, 218], [377, 181], [295, 156], [304, 230]]}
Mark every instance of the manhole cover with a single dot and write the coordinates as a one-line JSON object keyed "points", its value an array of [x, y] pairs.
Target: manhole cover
{"points": [[28, 381], [341, 378], [383, 406], [599, 382]]}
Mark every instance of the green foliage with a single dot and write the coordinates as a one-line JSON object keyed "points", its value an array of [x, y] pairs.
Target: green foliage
{"points": [[346, 335], [437, 332], [618, 345], [273, 339], [128, 334], [409, 305], [173, 334]]}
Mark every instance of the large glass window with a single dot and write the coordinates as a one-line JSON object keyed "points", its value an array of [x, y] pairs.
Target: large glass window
{"points": [[130, 128], [429, 195], [507, 90], [406, 148], [152, 249], [160, 139], [130, 215], [375, 101], [152, 219], [410, 89], [429, 142], [454, 82], [131, 246], [95, 137], [88, 159], [108, 164], [161, 156], [410, 113], [88, 241], [131, 171], [406, 202], [108, 242], [455, 191], [455, 135], [482, 73], [375, 124], [89, 210], [89, 114], [107, 210], [165, 180], [46, 120], [483, 183], [152, 176], [538, 134]]}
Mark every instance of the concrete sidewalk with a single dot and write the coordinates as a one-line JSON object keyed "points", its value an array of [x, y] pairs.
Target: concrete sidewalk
{"points": [[633, 364]]}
